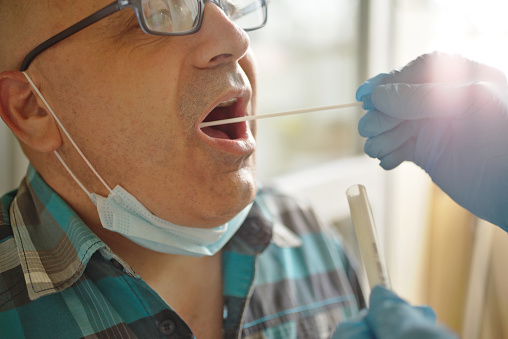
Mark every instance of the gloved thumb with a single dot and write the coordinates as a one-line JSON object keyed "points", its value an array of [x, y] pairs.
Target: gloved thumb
{"points": [[420, 101], [382, 297], [354, 328], [390, 317]]}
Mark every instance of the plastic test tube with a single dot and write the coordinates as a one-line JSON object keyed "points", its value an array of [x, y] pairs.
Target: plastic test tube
{"points": [[366, 234]]}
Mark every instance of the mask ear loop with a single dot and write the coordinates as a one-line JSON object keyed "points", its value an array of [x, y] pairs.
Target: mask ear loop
{"points": [[72, 142]]}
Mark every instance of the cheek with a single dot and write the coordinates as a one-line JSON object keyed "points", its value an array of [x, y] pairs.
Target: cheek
{"points": [[120, 129]]}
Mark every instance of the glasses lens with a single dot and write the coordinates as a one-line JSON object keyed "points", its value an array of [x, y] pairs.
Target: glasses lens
{"points": [[248, 14], [170, 16]]}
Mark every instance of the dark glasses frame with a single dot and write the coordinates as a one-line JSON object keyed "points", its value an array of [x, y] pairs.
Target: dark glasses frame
{"points": [[115, 7]]}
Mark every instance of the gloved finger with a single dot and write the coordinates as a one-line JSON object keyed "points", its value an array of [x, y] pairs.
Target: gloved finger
{"points": [[369, 85], [426, 312], [382, 297], [355, 328], [381, 145], [368, 105], [374, 123], [454, 68], [436, 68], [417, 71], [439, 67], [392, 317], [398, 156], [410, 102]]}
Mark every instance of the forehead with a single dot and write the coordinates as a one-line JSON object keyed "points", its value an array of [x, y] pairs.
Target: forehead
{"points": [[27, 23]]}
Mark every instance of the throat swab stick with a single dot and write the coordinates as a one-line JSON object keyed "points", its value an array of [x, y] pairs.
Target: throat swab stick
{"points": [[273, 115], [365, 228]]}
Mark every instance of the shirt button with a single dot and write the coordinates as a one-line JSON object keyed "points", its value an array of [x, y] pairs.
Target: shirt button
{"points": [[225, 312], [167, 327]]}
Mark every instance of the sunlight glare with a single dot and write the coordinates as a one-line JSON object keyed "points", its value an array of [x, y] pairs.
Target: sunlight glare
{"points": [[489, 16]]}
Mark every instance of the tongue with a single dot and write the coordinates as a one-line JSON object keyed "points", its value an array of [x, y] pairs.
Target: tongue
{"points": [[215, 133]]}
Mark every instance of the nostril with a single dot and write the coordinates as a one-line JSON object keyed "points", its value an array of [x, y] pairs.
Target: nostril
{"points": [[218, 59]]}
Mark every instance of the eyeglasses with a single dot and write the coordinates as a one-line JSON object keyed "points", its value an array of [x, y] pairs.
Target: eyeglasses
{"points": [[167, 17]]}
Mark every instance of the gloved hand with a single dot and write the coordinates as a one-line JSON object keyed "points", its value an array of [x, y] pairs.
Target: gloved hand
{"points": [[390, 317], [448, 115]]}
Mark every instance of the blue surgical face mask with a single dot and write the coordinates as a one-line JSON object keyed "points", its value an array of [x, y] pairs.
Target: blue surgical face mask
{"points": [[121, 212]]}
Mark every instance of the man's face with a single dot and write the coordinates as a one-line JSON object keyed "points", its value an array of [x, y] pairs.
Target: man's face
{"points": [[133, 102]]}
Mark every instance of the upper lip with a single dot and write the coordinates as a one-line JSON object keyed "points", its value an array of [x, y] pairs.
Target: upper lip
{"points": [[240, 107]]}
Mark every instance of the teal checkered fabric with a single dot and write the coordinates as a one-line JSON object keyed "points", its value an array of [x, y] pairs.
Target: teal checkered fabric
{"points": [[285, 275]]}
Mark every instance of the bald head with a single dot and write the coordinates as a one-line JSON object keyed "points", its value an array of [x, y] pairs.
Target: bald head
{"points": [[10, 12], [24, 24], [18, 20]]}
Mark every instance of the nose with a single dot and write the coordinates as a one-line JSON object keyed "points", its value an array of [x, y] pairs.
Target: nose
{"points": [[220, 40]]}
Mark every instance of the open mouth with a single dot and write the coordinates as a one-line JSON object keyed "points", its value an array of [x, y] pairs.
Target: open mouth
{"points": [[225, 110]]}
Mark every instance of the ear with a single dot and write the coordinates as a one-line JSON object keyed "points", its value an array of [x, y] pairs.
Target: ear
{"points": [[25, 115]]}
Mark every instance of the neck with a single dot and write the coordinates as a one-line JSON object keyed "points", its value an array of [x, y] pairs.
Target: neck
{"points": [[192, 286]]}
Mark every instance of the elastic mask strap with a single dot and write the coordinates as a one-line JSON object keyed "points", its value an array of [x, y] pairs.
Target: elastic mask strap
{"points": [[72, 142]]}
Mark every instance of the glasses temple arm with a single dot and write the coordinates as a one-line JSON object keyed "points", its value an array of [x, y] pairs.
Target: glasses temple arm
{"points": [[110, 9]]}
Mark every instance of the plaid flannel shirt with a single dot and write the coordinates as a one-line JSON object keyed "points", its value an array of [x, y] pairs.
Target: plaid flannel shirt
{"points": [[284, 276]]}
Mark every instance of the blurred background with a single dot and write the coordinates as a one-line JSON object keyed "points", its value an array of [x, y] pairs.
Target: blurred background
{"points": [[316, 53]]}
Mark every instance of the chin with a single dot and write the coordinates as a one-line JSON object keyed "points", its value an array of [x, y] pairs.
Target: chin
{"points": [[248, 194], [229, 202], [246, 190]]}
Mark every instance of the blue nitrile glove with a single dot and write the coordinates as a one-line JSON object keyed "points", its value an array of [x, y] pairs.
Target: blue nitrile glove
{"points": [[448, 115], [390, 317]]}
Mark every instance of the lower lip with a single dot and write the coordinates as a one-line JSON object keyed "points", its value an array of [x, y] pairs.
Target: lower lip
{"points": [[244, 144]]}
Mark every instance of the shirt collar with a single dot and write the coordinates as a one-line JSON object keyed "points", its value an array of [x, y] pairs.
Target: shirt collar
{"points": [[254, 235], [53, 243], [262, 227]]}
